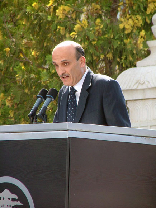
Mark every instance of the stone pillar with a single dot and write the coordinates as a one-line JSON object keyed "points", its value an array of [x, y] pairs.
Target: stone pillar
{"points": [[139, 88]]}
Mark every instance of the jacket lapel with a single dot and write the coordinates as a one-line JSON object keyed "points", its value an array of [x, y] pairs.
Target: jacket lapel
{"points": [[83, 96], [63, 104]]}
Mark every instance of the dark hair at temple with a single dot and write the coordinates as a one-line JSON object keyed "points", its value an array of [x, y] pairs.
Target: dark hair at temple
{"points": [[79, 52]]}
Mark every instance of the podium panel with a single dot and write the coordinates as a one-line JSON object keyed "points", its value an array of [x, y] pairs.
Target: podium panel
{"points": [[77, 166], [41, 166], [105, 174]]}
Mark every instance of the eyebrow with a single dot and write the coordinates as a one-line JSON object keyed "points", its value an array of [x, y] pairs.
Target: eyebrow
{"points": [[61, 61], [64, 60]]}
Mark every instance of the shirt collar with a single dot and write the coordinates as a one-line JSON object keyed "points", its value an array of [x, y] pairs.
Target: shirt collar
{"points": [[78, 86]]}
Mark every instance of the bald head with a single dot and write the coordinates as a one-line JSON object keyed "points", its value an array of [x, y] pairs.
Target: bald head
{"points": [[79, 51]]}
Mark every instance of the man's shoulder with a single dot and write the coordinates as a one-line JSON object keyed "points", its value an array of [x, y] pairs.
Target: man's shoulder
{"points": [[98, 76], [100, 79]]}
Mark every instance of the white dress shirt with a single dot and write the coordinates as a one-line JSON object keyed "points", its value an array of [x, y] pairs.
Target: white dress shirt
{"points": [[78, 86]]}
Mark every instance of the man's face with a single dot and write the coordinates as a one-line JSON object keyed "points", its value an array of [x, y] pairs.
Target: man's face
{"points": [[67, 67]]}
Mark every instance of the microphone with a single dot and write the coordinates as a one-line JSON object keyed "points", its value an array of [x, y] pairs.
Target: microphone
{"points": [[40, 97], [51, 95]]}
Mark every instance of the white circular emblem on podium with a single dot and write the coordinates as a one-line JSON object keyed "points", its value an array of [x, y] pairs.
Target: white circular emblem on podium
{"points": [[4, 195]]}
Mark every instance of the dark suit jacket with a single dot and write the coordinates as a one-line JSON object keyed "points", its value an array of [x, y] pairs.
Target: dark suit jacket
{"points": [[101, 102]]}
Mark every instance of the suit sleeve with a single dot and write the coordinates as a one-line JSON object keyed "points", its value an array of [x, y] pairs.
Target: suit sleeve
{"points": [[114, 105]]}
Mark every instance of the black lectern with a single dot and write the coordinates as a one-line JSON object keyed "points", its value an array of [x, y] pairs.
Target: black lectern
{"points": [[77, 166]]}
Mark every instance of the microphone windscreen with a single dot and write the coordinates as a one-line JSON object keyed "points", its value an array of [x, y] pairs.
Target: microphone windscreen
{"points": [[42, 93], [52, 93]]}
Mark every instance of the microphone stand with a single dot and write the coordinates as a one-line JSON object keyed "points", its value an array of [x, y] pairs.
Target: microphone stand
{"points": [[33, 119], [43, 117]]}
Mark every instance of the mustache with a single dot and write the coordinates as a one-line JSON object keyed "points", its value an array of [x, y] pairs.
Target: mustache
{"points": [[64, 75]]}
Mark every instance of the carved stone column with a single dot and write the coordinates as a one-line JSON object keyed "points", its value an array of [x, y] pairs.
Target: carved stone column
{"points": [[139, 88]]}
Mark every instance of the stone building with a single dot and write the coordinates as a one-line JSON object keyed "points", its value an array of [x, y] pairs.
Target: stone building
{"points": [[139, 88]]}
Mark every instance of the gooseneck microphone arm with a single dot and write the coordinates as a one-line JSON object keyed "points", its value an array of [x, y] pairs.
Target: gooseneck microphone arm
{"points": [[40, 97], [51, 95]]}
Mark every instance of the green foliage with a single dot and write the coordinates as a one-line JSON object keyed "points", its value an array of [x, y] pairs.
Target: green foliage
{"points": [[112, 32]]}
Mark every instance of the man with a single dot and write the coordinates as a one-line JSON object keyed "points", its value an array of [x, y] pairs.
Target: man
{"points": [[99, 99]]}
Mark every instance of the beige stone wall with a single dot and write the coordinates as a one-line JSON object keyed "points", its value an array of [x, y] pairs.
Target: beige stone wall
{"points": [[142, 113], [139, 88]]}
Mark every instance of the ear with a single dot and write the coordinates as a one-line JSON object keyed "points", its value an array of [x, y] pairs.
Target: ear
{"points": [[82, 61]]}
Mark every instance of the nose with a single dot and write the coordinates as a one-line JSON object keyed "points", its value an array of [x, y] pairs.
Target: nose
{"points": [[60, 70]]}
